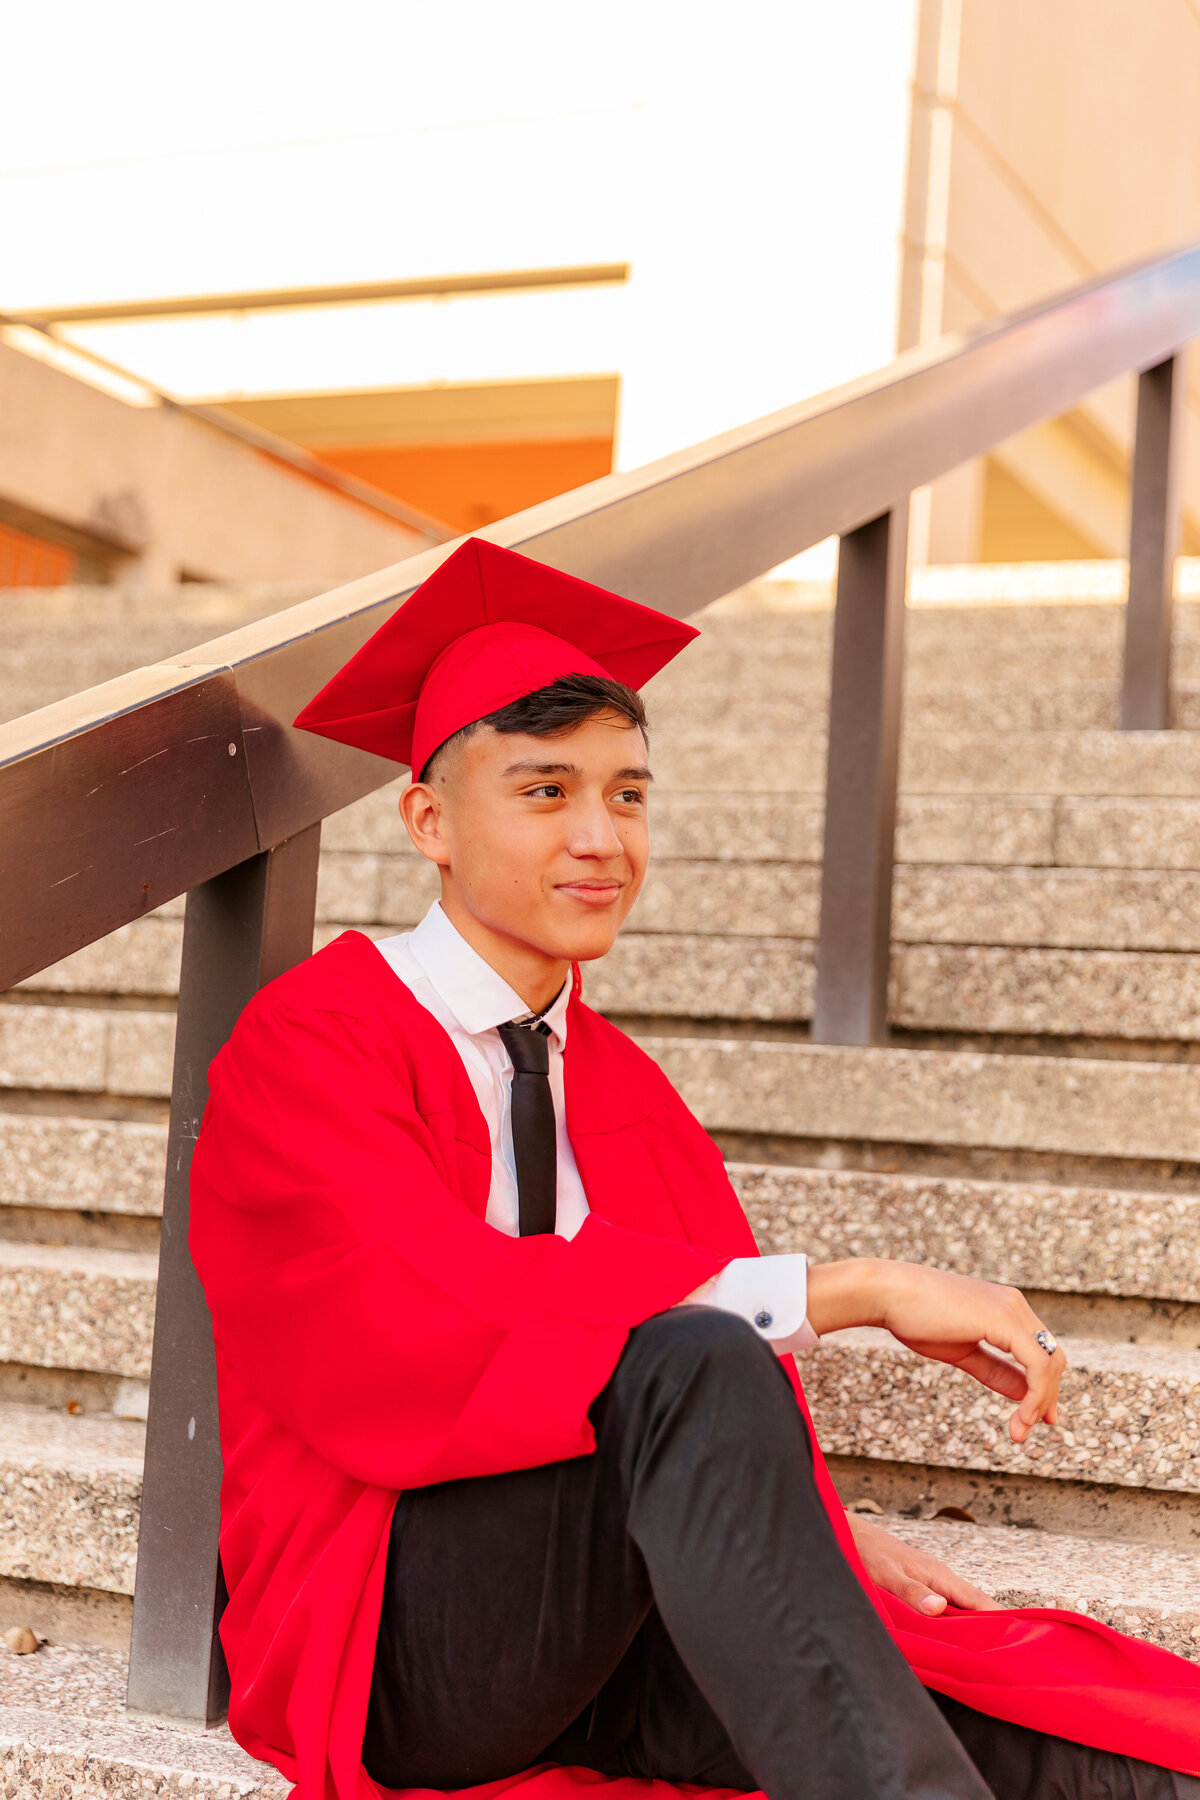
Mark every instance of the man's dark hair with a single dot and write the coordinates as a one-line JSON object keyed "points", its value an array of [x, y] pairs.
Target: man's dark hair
{"points": [[551, 711]]}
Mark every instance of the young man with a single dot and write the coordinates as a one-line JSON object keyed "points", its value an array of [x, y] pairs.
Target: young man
{"points": [[519, 1482]]}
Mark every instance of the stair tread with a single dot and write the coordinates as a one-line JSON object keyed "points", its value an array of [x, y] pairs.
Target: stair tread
{"points": [[64, 1729], [1150, 1591], [63, 1705]]}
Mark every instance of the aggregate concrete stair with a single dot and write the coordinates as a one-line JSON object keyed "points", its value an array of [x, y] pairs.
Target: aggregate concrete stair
{"points": [[64, 1732], [56, 641], [63, 1728], [1148, 1592], [1035, 1117]]}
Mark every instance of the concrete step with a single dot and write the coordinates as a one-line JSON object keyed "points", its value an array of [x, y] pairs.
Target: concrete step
{"points": [[1029, 830], [86, 1050], [85, 1308], [1129, 1414], [1149, 1592], [770, 661], [58, 641], [1064, 704], [64, 1732], [1073, 1105], [70, 1489], [1037, 1235], [1070, 1104], [1105, 909], [81, 1165], [976, 948], [1136, 995], [70, 1307], [63, 1728], [983, 991], [1073, 1239], [1043, 763]]}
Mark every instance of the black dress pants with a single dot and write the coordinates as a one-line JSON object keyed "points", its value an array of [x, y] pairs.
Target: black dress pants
{"points": [[677, 1605]]}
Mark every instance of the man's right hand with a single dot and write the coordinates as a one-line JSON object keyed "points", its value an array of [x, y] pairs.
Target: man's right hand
{"points": [[954, 1319]]}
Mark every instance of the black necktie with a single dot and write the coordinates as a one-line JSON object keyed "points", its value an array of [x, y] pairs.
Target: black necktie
{"points": [[534, 1148]]}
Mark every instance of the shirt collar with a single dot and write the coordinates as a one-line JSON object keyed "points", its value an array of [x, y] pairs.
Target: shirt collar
{"points": [[478, 997]]}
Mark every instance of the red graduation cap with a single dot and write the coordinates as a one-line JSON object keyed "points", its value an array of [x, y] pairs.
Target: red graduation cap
{"points": [[486, 628]]}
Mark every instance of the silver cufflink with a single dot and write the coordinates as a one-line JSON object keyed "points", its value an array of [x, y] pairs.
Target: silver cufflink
{"points": [[764, 1320]]}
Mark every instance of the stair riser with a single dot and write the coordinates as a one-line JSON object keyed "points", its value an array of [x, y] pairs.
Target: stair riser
{"points": [[1075, 1105], [74, 1528], [65, 1616], [989, 830], [982, 992], [81, 1164], [71, 1320], [1074, 1240], [1047, 763], [1065, 704], [1066, 1241], [1078, 1106], [1131, 1515], [775, 669], [1077, 908], [1132, 1426]]}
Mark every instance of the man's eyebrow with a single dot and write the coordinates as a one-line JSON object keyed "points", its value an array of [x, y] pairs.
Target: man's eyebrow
{"points": [[529, 767]]}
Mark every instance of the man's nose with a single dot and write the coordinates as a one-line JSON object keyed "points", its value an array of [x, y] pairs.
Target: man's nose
{"points": [[593, 833]]}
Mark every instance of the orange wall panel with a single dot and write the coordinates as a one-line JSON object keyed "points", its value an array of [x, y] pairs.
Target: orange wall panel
{"points": [[467, 485], [27, 561]]}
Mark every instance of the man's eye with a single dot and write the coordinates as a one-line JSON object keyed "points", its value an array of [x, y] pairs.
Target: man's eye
{"points": [[548, 787], [632, 796]]}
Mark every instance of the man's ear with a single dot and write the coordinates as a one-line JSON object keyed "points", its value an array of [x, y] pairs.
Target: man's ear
{"points": [[421, 808]]}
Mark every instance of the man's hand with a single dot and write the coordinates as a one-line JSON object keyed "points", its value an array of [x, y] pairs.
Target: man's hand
{"points": [[951, 1318], [912, 1575]]}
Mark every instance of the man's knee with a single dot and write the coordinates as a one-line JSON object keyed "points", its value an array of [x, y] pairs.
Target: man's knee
{"points": [[704, 1342], [706, 1371]]}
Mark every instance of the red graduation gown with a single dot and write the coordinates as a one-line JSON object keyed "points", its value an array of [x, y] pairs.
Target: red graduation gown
{"points": [[374, 1333]]}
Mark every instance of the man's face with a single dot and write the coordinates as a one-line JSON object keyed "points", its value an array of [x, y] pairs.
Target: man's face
{"points": [[542, 842]]}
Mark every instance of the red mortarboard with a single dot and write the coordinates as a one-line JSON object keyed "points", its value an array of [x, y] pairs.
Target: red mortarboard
{"points": [[487, 627]]}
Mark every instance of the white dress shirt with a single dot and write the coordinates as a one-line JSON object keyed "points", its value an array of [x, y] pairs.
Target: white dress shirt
{"points": [[469, 1000]]}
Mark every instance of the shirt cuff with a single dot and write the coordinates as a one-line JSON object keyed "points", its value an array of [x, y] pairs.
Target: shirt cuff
{"points": [[771, 1292]]}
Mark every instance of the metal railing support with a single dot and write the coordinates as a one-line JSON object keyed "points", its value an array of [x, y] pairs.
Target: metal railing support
{"points": [[853, 944], [242, 929], [1153, 542]]}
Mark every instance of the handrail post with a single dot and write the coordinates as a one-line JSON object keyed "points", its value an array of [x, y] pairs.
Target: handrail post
{"points": [[854, 939], [1153, 542], [241, 929]]}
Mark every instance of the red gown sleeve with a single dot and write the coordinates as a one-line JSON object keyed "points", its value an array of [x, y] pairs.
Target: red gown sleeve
{"points": [[358, 1298]]}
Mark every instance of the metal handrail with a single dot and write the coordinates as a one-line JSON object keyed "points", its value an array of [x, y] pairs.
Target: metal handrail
{"points": [[187, 775], [675, 534]]}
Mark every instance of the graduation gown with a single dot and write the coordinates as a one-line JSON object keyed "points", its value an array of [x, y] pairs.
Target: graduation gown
{"points": [[373, 1333]]}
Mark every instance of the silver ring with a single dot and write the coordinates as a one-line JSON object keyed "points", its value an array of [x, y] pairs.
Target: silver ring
{"points": [[1047, 1340]]}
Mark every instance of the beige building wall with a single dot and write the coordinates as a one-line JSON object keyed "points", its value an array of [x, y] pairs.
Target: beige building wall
{"points": [[1050, 143], [152, 495]]}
